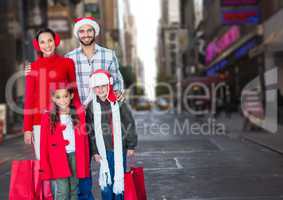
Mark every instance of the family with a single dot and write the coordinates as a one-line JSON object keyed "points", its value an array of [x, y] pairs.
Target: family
{"points": [[74, 111]]}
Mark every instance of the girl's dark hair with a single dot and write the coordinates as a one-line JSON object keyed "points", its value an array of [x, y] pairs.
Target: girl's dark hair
{"points": [[55, 115]]}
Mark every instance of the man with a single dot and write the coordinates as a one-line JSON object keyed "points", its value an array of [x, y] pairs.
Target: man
{"points": [[89, 57]]}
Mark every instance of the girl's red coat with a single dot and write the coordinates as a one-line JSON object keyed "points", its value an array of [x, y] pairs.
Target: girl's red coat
{"points": [[53, 157]]}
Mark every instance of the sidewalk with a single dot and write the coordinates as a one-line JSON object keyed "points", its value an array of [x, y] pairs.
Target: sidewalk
{"points": [[15, 132], [272, 141]]}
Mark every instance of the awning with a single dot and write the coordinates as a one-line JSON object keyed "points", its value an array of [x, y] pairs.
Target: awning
{"points": [[232, 48]]}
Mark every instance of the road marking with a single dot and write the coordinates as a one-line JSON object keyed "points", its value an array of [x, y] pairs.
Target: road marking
{"points": [[149, 153], [163, 197], [178, 164], [160, 168], [217, 144]]}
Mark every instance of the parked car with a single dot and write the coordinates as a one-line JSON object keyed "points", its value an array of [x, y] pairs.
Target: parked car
{"points": [[141, 103], [163, 103], [198, 104]]}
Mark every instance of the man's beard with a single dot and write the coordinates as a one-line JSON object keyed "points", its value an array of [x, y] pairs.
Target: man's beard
{"points": [[89, 43]]}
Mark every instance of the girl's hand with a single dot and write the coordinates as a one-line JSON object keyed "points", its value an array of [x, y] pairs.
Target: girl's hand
{"points": [[130, 152], [97, 158], [28, 139]]}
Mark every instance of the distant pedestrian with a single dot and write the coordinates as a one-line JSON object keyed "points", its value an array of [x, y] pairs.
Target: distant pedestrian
{"points": [[228, 101]]}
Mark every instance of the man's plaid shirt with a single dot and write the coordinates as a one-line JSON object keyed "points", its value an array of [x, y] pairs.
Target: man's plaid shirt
{"points": [[103, 58]]}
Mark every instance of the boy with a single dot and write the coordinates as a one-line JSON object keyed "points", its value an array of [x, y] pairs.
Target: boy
{"points": [[112, 128]]}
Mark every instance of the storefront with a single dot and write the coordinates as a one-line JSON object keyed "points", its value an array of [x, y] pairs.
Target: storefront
{"points": [[273, 53], [235, 63]]}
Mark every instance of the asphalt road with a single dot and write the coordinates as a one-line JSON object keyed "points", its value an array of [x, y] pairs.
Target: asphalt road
{"points": [[187, 159]]}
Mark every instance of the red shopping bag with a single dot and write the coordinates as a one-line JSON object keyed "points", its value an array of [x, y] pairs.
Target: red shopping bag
{"points": [[47, 192], [42, 187], [138, 176], [21, 181], [130, 189], [25, 182]]}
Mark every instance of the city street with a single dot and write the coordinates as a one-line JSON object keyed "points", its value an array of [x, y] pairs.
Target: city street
{"points": [[180, 164], [203, 78]]}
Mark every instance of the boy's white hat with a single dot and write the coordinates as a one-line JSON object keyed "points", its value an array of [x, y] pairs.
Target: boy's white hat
{"points": [[102, 77]]}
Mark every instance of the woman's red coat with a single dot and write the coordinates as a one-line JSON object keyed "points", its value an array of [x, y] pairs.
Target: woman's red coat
{"points": [[44, 72]]}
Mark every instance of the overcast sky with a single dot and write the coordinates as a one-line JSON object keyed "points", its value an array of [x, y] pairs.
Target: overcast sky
{"points": [[147, 14]]}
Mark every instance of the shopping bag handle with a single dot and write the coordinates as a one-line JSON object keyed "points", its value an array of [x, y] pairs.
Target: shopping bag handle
{"points": [[131, 161]]}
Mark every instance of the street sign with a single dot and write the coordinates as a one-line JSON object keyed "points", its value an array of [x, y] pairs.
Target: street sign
{"points": [[241, 15]]}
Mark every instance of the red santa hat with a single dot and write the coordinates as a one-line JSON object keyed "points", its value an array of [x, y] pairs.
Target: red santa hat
{"points": [[102, 77], [79, 22]]}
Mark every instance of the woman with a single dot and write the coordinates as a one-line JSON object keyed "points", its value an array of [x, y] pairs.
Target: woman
{"points": [[47, 68]]}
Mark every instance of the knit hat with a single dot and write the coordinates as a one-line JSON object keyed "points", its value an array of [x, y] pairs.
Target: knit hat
{"points": [[102, 77], [79, 22]]}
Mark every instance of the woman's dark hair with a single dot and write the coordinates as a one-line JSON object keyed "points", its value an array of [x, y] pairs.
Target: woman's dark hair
{"points": [[44, 30], [55, 115]]}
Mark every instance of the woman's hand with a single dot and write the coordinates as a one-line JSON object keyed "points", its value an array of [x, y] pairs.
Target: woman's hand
{"points": [[28, 139], [97, 158], [130, 152], [27, 68]]}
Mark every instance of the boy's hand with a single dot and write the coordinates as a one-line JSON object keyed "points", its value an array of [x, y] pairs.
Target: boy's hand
{"points": [[130, 152], [120, 95], [28, 137], [97, 158]]}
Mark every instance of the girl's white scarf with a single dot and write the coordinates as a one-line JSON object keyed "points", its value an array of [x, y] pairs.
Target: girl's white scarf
{"points": [[104, 174]]}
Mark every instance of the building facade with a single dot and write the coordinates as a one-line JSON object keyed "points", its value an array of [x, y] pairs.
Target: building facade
{"points": [[168, 40]]}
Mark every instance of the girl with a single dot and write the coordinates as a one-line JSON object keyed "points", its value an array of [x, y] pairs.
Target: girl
{"points": [[48, 67], [64, 147]]}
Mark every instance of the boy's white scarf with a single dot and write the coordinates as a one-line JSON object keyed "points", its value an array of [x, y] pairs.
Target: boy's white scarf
{"points": [[104, 174]]}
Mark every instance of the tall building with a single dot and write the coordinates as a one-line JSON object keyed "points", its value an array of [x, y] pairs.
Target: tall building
{"points": [[188, 23], [18, 19], [168, 40], [106, 13], [130, 37], [130, 59], [110, 23]]}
